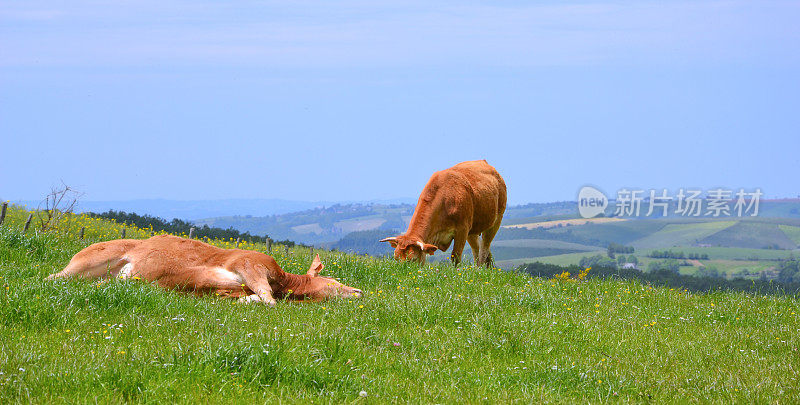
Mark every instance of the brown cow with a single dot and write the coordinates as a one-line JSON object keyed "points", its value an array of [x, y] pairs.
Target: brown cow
{"points": [[197, 267], [463, 202]]}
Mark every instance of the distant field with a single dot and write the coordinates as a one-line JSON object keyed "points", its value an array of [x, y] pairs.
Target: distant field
{"points": [[544, 243], [623, 232], [565, 222], [727, 266], [791, 232], [750, 234], [685, 234], [307, 228], [510, 249], [561, 260], [359, 224]]}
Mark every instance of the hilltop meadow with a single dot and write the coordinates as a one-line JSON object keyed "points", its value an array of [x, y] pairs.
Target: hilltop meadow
{"points": [[430, 334]]}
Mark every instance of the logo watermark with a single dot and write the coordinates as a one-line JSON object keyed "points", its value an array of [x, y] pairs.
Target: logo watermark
{"points": [[688, 202], [591, 202]]}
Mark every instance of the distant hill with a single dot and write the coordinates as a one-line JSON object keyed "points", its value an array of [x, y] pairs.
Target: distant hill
{"points": [[320, 225], [365, 242], [325, 225], [540, 230], [197, 209]]}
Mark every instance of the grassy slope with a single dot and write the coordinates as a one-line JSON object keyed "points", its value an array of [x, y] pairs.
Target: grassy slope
{"points": [[433, 334], [750, 234], [681, 234], [618, 232]]}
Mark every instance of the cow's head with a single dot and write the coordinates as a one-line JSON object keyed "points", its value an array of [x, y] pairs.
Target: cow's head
{"points": [[410, 248], [317, 288]]}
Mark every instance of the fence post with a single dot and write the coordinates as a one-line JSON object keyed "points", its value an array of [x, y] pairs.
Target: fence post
{"points": [[269, 245], [238, 241], [123, 233], [312, 251], [3, 213], [83, 230], [191, 232], [286, 249], [27, 223]]}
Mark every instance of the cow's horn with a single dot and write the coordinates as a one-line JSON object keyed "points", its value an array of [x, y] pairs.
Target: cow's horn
{"points": [[389, 239]]}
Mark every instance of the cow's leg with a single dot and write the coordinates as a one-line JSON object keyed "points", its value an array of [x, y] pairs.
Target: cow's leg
{"points": [[475, 246], [98, 260], [90, 269], [261, 294], [486, 240], [256, 278], [92, 266], [459, 241]]}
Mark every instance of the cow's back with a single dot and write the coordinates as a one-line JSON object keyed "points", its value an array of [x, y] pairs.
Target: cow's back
{"points": [[488, 193], [477, 194]]}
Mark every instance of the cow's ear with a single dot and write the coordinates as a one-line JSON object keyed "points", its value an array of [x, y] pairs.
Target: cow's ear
{"points": [[316, 267], [392, 241], [428, 248]]}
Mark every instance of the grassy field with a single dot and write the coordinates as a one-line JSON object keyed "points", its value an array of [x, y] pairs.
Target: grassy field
{"points": [[745, 233], [792, 232], [731, 253], [681, 234], [421, 334], [727, 260]]}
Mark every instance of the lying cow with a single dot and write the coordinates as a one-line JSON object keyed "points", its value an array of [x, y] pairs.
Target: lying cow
{"points": [[197, 267], [460, 203]]}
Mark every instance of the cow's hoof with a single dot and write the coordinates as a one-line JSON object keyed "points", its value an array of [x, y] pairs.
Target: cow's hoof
{"points": [[250, 299]]}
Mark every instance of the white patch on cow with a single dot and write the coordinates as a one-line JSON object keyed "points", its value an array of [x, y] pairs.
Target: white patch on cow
{"points": [[225, 275], [125, 271]]}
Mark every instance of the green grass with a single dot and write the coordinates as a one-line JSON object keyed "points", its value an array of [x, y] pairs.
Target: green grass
{"points": [[515, 248], [430, 334], [561, 260]]}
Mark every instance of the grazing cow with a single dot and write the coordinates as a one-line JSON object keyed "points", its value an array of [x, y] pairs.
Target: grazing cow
{"points": [[197, 267], [460, 203]]}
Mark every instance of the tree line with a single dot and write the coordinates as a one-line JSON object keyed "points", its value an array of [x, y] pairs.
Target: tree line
{"points": [[669, 254], [179, 226]]}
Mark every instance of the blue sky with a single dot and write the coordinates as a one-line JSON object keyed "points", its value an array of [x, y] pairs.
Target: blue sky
{"points": [[361, 100]]}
